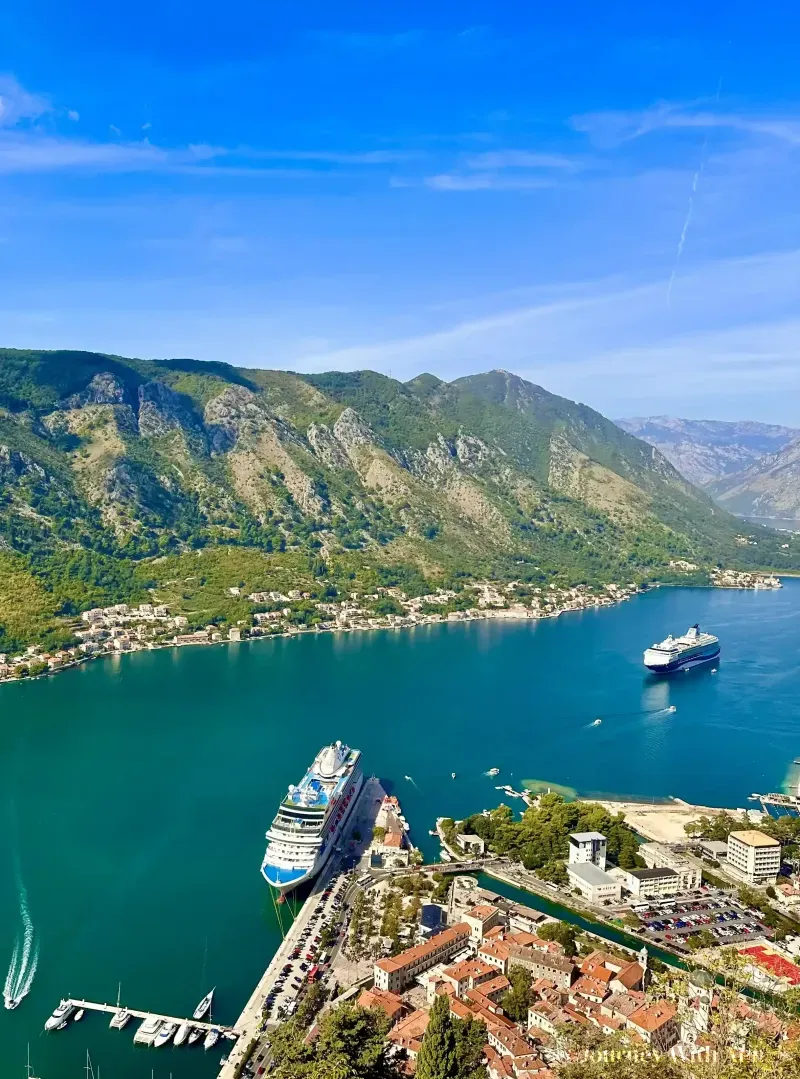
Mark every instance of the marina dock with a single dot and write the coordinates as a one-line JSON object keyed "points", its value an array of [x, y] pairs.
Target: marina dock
{"points": [[111, 1009]]}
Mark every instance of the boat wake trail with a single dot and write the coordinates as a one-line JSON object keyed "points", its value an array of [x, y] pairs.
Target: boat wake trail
{"points": [[668, 711], [411, 781], [8, 988], [24, 958]]}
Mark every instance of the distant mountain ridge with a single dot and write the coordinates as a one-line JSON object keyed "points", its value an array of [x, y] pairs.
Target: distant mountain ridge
{"points": [[111, 468], [770, 488], [704, 451]]}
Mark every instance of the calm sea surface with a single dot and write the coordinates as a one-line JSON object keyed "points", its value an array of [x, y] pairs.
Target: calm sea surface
{"points": [[135, 792]]}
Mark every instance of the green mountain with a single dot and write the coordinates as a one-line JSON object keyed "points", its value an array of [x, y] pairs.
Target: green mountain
{"points": [[114, 472]]}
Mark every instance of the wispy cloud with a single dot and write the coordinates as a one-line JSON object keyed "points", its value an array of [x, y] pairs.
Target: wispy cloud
{"points": [[332, 157], [27, 153], [612, 128], [502, 170], [485, 181], [520, 159], [18, 104], [604, 341], [26, 149]]}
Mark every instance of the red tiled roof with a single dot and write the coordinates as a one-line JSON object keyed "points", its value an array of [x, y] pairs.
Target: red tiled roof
{"points": [[653, 1016], [420, 951], [482, 911], [630, 975], [383, 999], [590, 987]]}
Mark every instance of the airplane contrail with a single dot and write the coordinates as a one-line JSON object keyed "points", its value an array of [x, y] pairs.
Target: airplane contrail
{"points": [[690, 210]]}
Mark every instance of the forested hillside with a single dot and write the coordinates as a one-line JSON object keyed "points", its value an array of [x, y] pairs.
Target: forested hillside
{"points": [[113, 469]]}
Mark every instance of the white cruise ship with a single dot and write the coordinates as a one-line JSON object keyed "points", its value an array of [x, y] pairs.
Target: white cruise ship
{"points": [[312, 817], [681, 653]]}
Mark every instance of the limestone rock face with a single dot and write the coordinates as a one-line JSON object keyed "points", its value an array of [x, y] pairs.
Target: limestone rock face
{"points": [[326, 446], [161, 410], [14, 465], [351, 431], [104, 389]]}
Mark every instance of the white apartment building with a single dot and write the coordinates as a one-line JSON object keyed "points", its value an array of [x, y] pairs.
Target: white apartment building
{"points": [[647, 883], [660, 856], [587, 847], [594, 883], [754, 856]]}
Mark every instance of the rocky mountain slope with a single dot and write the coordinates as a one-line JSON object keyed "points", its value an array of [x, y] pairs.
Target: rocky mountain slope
{"points": [[110, 468], [770, 488], [704, 451]]}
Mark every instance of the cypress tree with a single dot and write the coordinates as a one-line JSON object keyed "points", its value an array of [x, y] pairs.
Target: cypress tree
{"points": [[438, 1057]]}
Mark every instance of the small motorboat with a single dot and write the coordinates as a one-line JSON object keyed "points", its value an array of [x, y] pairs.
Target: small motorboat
{"points": [[120, 1019], [204, 1006], [493, 772], [62, 1026], [183, 1034], [211, 1039], [195, 1034], [164, 1034], [452, 775], [597, 722], [79, 1014], [13, 1003]]}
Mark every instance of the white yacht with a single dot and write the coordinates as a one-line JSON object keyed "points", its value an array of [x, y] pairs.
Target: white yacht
{"points": [[682, 653], [312, 817], [60, 1015], [183, 1033], [195, 1034], [164, 1034], [204, 1006], [211, 1039], [146, 1034], [120, 1019]]}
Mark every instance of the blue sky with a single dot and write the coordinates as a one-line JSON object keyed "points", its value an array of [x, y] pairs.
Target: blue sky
{"points": [[600, 198]]}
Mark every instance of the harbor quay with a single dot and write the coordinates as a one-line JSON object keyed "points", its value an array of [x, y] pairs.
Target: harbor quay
{"points": [[252, 1024]]}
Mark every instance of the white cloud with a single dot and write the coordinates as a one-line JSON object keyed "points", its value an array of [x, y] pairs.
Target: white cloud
{"points": [[484, 181], [21, 153], [17, 104], [73, 115], [611, 128], [519, 159], [114, 129], [608, 343], [147, 126]]}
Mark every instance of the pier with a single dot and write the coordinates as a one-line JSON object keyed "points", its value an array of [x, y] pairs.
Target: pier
{"points": [[112, 1009], [788, 802]]}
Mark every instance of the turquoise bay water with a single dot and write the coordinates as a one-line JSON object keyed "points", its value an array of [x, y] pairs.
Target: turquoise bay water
{"points": [[135, 792]]}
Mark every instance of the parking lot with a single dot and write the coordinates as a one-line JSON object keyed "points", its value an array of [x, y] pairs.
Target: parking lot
{"points": [[307, 954], [674, 921]]}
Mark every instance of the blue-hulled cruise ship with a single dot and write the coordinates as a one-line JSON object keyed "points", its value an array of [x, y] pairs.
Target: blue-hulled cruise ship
{"points": [[681, 653], [312, 817]]}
